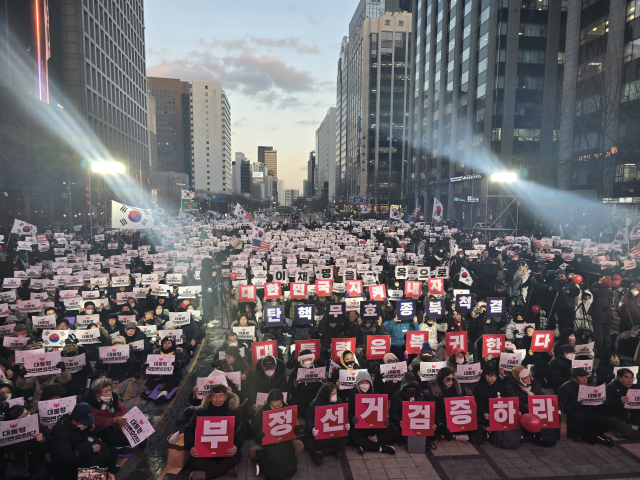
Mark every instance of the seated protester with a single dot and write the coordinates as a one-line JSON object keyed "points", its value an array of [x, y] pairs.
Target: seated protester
{"points": [[118, 372], [234, 362], [586, 423], [147, 319], [92, 350], [327, 395], [410, 391], [133, 334], [567, 337], [8, 389], [231, 341], [275, 401], [444, 386], [243, 322], [620, 419], [487, 388], [133, 308], [191, 331], [347, 362], [426, 355], [108, 410], [160, 311], [430, 325], [604, 370], [7, 369], [78, 383], [389, 386], [34, 451], [368, 327], [512, 328], [524, 343], [521, 385], [459, 357], [75, 445], [302, 393], [270, 374], [398, 330], [62, 324], [328, 329], [113, 326], [369, 440], [194, 401], [38, 383], [218, 403], [166, 383], [561, 366]]}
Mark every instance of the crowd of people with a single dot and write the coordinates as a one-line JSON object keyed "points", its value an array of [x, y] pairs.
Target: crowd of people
{"points": [[317, 316]]}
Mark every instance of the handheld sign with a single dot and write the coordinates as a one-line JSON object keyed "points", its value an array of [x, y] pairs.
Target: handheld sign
{"points": [[114, 354], [160, 364], [504, 414], [214, 436], [331, 421], [138, 427], [378, 346], [546, 408], [414, 341], [418, 418], [274, 316], [51, 410], [461, 414], [371, 410], [278, 425], [455, 341], [260, 350]]}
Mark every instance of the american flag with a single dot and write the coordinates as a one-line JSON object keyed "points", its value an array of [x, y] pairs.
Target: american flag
{"points": [[636, 250], [413, 216], [260, 246]]}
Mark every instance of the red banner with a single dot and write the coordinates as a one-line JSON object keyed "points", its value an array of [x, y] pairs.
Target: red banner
{"points": [[455, 341], [492, 345], [262, 349], [378, 346], [324, 288], [461, 414], [272, 290], [338, 345], [247, 293], [214, 436], [377, 293], [331, 421], [414, 341], [418, 419], [542, 341], [313, 345], [412, 289], [436, 286], [298, 290], [545, 407], [354, 288], [371, 410], [278, 425], [504, 413]]}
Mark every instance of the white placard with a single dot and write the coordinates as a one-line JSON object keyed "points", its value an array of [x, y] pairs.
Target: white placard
{"points": [[429, 370], [348, 378], [41, 363], [138, 427], [310, 375], [592, 395], [75, 364], [245, 333], [204, 384], [21, 430], [114, 354], [89, 336], [469, 373], [160, 364], [51, 410]]}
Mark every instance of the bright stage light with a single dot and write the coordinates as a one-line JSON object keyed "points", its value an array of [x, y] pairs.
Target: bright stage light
{"points": [[504, 177], [107, 167]]}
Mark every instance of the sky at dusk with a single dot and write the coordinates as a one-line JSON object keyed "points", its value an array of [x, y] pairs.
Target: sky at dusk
{"points": [[276, 60]]}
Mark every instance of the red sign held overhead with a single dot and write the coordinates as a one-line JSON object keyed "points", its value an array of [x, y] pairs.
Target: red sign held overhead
{"points": [[338, 345], [461, 414], [377, 292], [378, 346], [331, 421], [418, 419], [262, 349], [354, 288], [542, 341], [272, 290], [455, 341], [278, 425], [436, 286], [247, 293], [313, 345], [492, 345], [371, 410], [414, 341], [214, 436], [504, 413], [298, 290], [324, 288], [412, 289]]}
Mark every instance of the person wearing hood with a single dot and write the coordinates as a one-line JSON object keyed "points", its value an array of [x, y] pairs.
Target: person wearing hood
{"points": [[302, 393], [398, 329], [511, 332], [620, 419], [234, 362], [367, 327], [430, 325], [604, 370], [35, 449], [38, 383], [133, 334], [327, 395], [602, 315], [584, 422], [108, 411], [218, 403], [75, 445], [388, 387], [444, 386], [567, 337], [166, 383], [561, 366], [113, 326], [373, 439], [487, 388], [231, 341], [118, 372], [409, 391], [426, 355], [328, 329], [270, 373], [92, 350], [78, 383], [244, 322], [347, 362], [629, 309], [8, 389]]}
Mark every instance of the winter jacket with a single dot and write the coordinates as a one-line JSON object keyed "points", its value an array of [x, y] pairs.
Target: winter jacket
{"points": [[38, 385], [228, 409], [401, 396], [433, 330], [328, 333], [560, 371], [310, 418], [301, 393], [398, 330], [35, 450], [483, 392], [629, 312], [600, 309], [514, 390], [260, 383], [615, 407], [104, 419], [568, 398], [437, 395]]}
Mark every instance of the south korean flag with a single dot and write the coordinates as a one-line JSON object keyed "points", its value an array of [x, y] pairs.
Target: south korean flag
{"points": [[130, 218]]}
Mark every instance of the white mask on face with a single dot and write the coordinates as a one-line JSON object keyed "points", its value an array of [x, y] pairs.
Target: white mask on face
{"points": [[334, 398], [570, 356], [364, 388], [8, 395], [89, 312], [82, 427], [459, 361], [105, 399], [269, 373], [307, 364], [234, 344]]}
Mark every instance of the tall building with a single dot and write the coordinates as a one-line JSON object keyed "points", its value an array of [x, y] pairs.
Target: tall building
{"points": [[281, 192], [245, 176], [600, 99], [211, 140], [153, 132], [236, 177], [290, 196], [342, 107], [485, 83], [305, 193], [98, 66], [174, 128], [326, 153], [311, 174], [271, 164], [261, 151]]}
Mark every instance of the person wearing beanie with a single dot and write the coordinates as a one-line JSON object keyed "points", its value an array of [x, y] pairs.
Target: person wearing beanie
{"points": [[327, 395], [584, 422], [53, 392], [561, 366], [269, 374], [409, 391], [426, 355], [602, 316], [167, 384], [140, 344], [390, 387], [118, 372], [302, 393]]}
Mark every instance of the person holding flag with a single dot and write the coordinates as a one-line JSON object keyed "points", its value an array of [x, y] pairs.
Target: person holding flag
{"points": [[438, 211]]}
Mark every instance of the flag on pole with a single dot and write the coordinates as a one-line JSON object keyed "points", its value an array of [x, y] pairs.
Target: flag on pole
{"points": [[124, 216], [465, 276], [437, 210], [260, 246], [23, 228], [413, 216], [394, 214], [622, 237], [634, 234], [187, 195]]}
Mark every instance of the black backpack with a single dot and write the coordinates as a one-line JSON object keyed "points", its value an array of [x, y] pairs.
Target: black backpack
{"points": [[507, 439], [546, 438], [278, 461]]}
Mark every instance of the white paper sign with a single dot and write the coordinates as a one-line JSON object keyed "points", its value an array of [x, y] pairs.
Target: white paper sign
{"points": [[75, 364], [114, 354], [174, 334], [245, 333], [633, 399], [592, 395], [88, 336], [508, 361], [160, 364], [261, 398], [348, 378], [51, 410], [469, 373], [21, 430], [393, 372], [205, 384], [41, 363], [41, 323], [310, 375], [138, 427], [586, 364], [429, 370], [17, 343]]}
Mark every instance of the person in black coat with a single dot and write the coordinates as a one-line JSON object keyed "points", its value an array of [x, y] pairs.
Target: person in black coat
{"points": [[133, 334], [561, 366], [167, 383], [487, 388], [302, 393], [583, 422], [78, 383], [444, 386], [269, 374], [604, 370], [75, 445], [218, 403], [602, 315], [522, 384], [410, 391], [620, 419], [327, 395]]}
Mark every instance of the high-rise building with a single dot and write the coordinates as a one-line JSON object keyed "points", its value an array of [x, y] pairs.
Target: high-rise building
{"points": [[305, 193], [271, 164], [261, 151], [342, 107], [311, 174], [326, 153], [281, 192], [236, 178], [174, 129], [290, 196], [245, 176], [211, 141], [153, 132], [485, 81]]}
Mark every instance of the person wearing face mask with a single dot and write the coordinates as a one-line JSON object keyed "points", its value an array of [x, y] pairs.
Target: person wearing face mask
{"points": [[302, 393], [512, 329], [75, 445], [369, 440], [567, 337], [444, 386], [620, 419], [389, 387], [35, 449], [167, 384], [561, 366], [231, 341], [629, 309], [328, 329], [269, 374], [160, 312], [409, 391], [327, 395], [113, 326], [604, 370], [459, 357], [347, 362], [430, 325], [487, 388], [8, 388]]}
